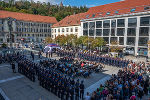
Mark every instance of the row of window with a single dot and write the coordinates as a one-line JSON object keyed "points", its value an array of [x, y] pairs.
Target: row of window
{"points": [[143, 31], [19, 23], [66, 30], [130, 40], [34, 35], [32, 30], [132, 22]]}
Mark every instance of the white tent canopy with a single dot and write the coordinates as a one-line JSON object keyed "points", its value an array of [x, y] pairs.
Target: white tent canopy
{"points": [[50, 47]]}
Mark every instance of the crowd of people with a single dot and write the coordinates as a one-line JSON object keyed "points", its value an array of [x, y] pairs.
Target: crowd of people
{"points": [[132, 82]]}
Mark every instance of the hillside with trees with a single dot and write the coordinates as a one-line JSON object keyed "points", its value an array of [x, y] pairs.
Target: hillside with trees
{"points": [[45, 9]]}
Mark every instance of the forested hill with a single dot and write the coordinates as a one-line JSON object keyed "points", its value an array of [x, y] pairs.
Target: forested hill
{"points": [[45, 9]]}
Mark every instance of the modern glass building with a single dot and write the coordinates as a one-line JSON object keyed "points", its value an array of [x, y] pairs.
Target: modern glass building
{"points": [[127, 22]]}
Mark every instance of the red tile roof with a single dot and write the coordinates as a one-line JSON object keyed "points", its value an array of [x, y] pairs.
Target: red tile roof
{"points": [[71, 20], [28, 17], [123, 7]]}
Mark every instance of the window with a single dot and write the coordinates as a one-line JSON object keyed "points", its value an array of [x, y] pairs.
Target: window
{"points": [[87, 16], [93, 15], [106, 39], [91, 32], [85, 25], [113, 32], [76, 29], [113, 39], [132, 22], [98, 24], [131, 32], [106, 32], [113, 23], [145, 21], [121, 40], [106, 23], [55, 30], [120, 31], [146, 8], [108, 13], [132, 10], [71, 29], [131, 41], [121, 22], [63, 30], [98, 32], [116, 12], [143, 41], [92, 25], [67, 29], [144, 31], [58, 30], [85, 32]]}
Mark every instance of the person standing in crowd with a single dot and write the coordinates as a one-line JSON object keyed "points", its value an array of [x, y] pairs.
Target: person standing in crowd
{"points": [[39, 53], [13, 67], [81, 90]]}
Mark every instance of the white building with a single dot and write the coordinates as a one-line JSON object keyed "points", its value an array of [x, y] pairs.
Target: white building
{"points": [[127, 22], [25, 27], [69, 25]]}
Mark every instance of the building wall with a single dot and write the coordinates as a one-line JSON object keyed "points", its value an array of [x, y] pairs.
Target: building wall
{"points": [[66, 31], [29, 31], [133, 34]]}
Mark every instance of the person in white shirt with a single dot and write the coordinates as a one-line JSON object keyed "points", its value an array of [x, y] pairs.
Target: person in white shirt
{"points": [[87, 97]]}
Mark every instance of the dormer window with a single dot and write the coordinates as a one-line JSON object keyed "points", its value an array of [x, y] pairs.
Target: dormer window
{"points": [[132, 10], [108, 13], [146, 8], [93, 15], [87, 16], [116, 12]]}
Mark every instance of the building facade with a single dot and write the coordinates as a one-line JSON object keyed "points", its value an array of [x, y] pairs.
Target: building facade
{"points": [[29, 28], [68, 25], [129, 26]]}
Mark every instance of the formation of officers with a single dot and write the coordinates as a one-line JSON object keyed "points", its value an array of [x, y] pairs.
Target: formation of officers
{"points": [[49, 78], [62, 53], [63, 87], [27, 68], [104, 59]]}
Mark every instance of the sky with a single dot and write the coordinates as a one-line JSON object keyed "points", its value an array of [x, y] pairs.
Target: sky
{"points": [[88, 3]]}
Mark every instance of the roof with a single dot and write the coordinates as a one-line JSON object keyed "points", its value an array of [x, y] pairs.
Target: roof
{"points": [[72, 20], [118, 8], [27, 17]]}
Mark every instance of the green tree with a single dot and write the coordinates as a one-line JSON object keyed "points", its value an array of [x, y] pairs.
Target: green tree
{"points": [[48, 40]]}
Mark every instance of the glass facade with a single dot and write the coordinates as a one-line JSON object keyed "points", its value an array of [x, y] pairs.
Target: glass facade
{"points": [[85, 25], [132, 32]]}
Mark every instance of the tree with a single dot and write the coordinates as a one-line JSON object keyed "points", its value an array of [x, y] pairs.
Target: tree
{"points": [[48, 40], [115, 46], [61, 40], [88, 42], [80, 40]]}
